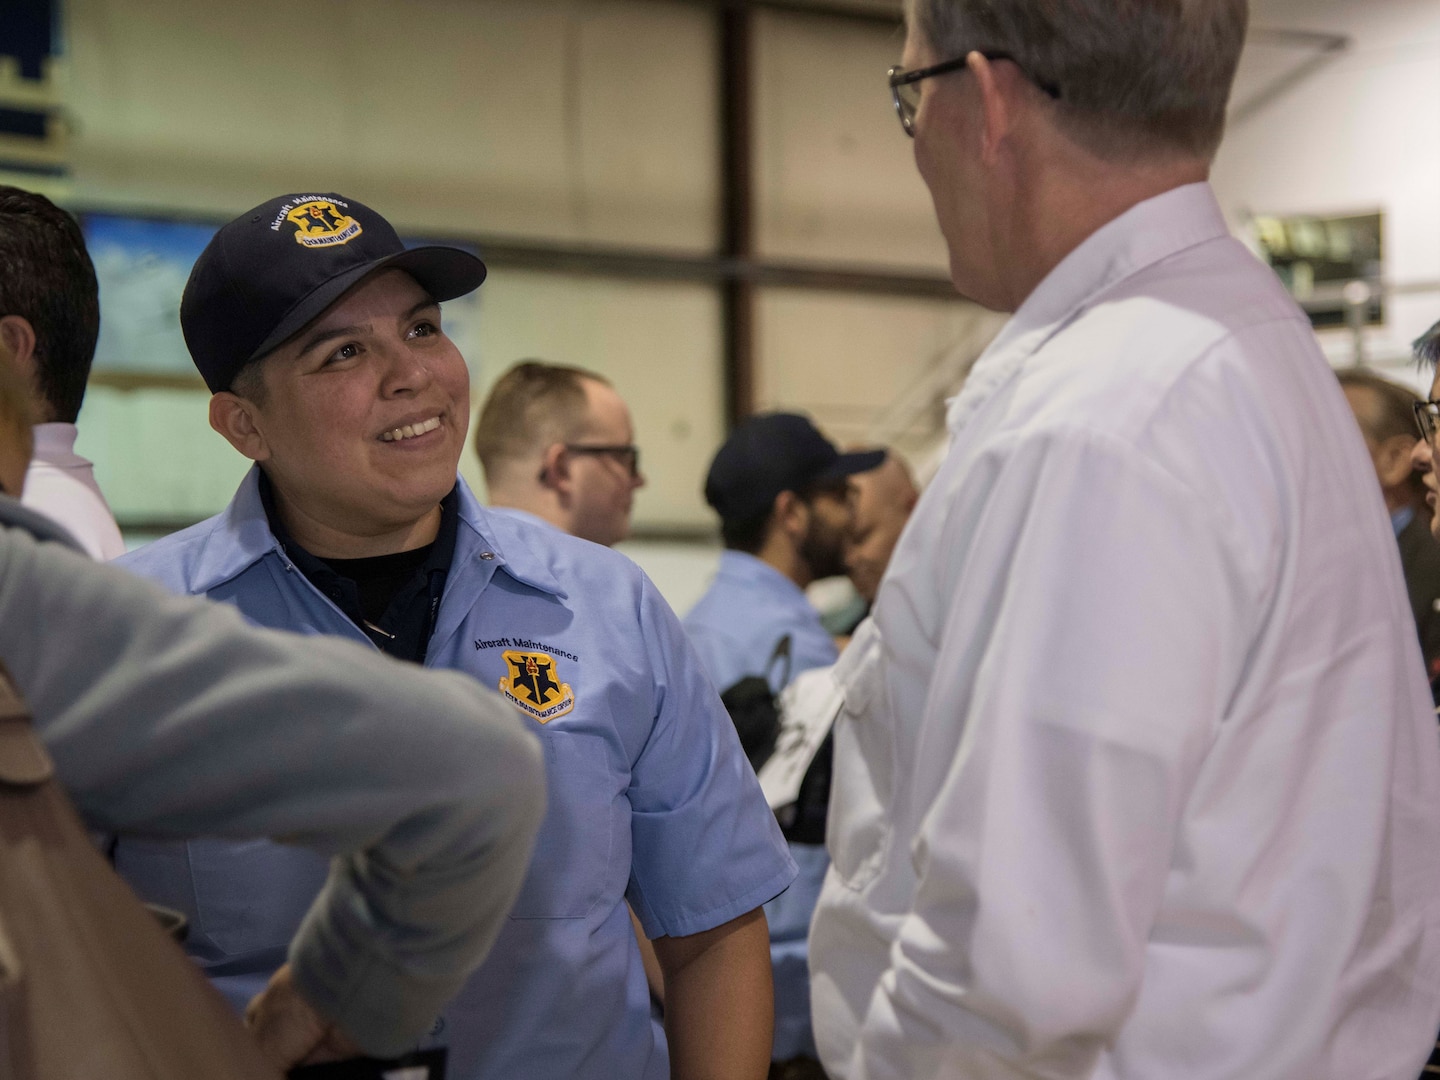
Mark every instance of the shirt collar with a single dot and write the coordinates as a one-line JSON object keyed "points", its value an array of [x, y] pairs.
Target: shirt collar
{"points": [[54, 442], [240, 537], [1144, 235], [13, 514], [751, 570], [1401, 518], [507, 539], [522, 515]]}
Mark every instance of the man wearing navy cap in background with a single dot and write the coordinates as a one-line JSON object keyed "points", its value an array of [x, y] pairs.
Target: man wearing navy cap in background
{"points": [[782, 492], [319, 335]]}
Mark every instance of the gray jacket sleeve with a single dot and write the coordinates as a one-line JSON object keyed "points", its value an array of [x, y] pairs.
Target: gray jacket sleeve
{"points": [[173, 717]]}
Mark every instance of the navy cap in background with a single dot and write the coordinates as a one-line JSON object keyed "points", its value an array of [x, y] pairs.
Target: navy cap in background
{"points": [[771, 453], [273, 270]]}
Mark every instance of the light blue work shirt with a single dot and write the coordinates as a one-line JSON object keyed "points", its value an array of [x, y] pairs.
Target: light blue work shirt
{"points": [[735, 627], [650, 797], [1401, 518], [747, 609]]}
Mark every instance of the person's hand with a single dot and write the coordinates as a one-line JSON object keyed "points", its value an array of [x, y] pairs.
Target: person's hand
{"points": [[289, 1031]]}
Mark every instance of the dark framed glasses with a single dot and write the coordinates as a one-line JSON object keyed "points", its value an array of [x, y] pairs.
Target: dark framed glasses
{"points": [[1427, 419], [905, 85], [628, 456]]}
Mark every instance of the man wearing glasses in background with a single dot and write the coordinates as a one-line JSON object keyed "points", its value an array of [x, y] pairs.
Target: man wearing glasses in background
{"points": [[1427, 416], [1136, 774], [557, 444]]}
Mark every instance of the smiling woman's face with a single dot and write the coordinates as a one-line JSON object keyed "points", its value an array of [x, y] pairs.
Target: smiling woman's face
{"points": [[364, 412]]}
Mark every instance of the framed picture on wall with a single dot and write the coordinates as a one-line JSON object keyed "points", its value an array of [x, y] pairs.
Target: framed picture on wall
{"points": [[1329, 264]]}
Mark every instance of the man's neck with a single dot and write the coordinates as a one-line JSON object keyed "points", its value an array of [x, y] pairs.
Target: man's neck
{"points": [[540, 502], [1397, 499], [1069, 201], [777, 551]]}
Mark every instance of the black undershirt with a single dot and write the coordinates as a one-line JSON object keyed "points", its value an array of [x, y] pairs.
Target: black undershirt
{"points": [[378, 579], [392, 599]]}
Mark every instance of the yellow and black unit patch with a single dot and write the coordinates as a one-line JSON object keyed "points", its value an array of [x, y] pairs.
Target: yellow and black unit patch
{"points": [[321, 224], [531, 682]]}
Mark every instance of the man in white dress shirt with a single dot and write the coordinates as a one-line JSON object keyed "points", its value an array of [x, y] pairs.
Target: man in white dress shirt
{"points": [[1136, 774], [49, 322]]}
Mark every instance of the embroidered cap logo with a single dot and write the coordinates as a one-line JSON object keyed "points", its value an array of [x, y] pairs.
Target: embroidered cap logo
{"points": [[320, 224]]}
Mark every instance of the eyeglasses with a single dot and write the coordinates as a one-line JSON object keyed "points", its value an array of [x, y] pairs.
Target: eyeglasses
{"points": [[905, 85], [628, 456], [1427, 418]]}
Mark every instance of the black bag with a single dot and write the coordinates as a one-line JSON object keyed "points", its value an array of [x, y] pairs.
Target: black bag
{"points": [[754, 711], [751, 705]]}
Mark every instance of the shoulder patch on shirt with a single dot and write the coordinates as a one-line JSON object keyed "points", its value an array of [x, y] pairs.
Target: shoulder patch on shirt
{"points": [[532, 683]]}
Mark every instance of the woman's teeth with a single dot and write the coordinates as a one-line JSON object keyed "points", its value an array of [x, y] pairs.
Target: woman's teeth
{"points": [[409, 431]]}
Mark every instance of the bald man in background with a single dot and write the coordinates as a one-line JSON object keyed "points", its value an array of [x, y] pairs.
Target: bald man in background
{"points": [[557, 446], [882, 500]]}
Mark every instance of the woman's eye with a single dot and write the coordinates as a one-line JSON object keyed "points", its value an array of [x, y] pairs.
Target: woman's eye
{"points": [[345, 352], [424, 329]]}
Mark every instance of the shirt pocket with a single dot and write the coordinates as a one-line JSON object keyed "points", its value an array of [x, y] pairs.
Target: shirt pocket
{"points": [[859, 821], [570, 866], [251, 895]]}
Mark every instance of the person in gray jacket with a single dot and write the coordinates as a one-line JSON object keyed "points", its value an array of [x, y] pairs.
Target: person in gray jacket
{"points": [[173, 717]]}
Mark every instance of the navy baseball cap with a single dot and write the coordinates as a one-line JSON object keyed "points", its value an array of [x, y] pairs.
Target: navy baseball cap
{"points": [[273, 270], [771, 453]]}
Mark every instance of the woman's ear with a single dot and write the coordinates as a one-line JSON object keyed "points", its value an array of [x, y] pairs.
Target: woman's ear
{"points": [[235, 418]]}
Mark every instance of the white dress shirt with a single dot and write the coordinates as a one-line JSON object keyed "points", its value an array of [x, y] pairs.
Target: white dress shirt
{"points": [[1137, 774], [61, 485]]}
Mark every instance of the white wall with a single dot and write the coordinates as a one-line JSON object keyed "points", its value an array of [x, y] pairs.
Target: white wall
{"points": [[836, 180], [571, 120], [1361, 134], [835, 175]]}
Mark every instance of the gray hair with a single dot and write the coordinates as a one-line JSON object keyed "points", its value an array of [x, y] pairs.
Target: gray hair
{"points": [[1427, 346], [1136, 77]]}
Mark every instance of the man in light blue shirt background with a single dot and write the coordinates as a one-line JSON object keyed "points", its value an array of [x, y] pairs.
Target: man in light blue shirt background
{"points": [[782, 492], [558, 445], [319, 335]]}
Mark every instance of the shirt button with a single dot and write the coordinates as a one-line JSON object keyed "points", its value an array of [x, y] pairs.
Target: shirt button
{"points": [[487, 555]]}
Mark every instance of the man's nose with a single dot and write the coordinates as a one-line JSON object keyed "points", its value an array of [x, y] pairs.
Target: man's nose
{"points": [[1420, 456]]}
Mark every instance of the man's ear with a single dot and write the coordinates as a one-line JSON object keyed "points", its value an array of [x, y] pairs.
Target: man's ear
{"points": [[1392, 460], [996, 86], [17, 338], [235, 418], [791, 514], [555, 469]]}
